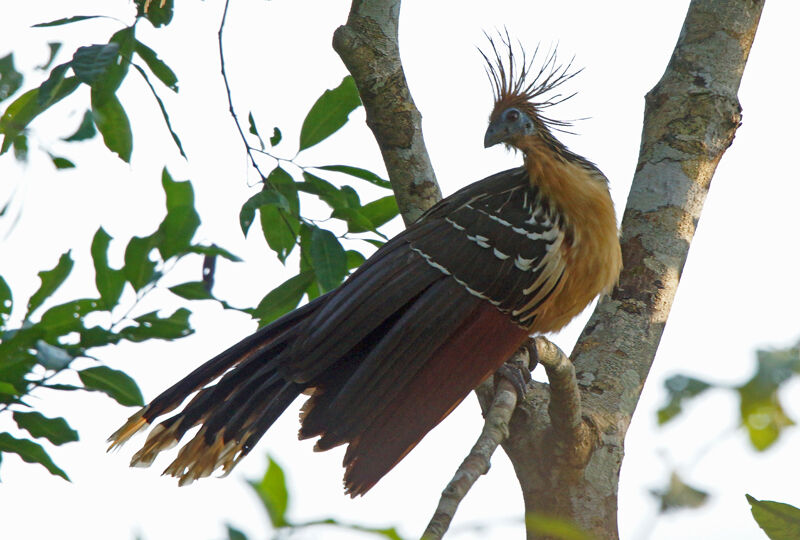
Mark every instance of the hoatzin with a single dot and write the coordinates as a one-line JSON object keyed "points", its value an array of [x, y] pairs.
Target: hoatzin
{"points": [[434, 312]]}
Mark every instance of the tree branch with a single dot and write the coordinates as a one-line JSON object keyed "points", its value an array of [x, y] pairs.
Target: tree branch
{"points": [[691, 116], [368, 47], [477, 462]]}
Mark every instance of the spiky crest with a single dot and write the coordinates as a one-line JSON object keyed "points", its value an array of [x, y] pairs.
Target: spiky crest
{"points": [[519, 84]]}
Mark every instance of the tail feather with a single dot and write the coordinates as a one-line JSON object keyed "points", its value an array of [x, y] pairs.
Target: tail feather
{"points": [[479, 347]]}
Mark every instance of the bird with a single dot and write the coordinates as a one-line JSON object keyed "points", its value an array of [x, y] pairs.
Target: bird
{"points": [[430, 315]]}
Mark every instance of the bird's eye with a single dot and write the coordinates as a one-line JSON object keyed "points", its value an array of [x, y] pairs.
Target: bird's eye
{"points": [[512, 115]]}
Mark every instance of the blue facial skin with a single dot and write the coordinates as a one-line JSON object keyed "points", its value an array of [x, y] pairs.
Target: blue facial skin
{"points": [[510, 123]]}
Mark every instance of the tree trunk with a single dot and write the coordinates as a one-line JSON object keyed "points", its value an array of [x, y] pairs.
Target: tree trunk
{"points": [[691, 115]]}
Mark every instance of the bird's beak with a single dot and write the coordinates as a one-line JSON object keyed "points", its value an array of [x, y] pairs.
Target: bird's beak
{"points": [[495, 133]]}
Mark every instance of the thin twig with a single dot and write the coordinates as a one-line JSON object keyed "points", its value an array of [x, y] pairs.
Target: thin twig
{"points": [[477, 462], [230, 100]]}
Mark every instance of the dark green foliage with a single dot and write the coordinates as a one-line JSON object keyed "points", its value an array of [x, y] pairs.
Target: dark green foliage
{"points": [[273, 492], [329, 113], [66, 20], [51, 280], [113, 124], [357, 172], [276, 137], [283, 298], [157, 66], [10, 78], [780, 521], [546, 526], [680, 388], [90, 63], [31, 452], [760, 405], [327, 258], [679, 495], [109, 281], [154, 12], [278, 224], [86, 129], [116, 384], [254, 130], [55, 430], [274, 495]]}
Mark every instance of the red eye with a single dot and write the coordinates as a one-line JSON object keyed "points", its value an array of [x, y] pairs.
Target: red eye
{"points": [[512, 115]]}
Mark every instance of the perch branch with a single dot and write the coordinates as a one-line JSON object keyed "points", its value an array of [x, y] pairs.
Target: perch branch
{"points": [[477, 462]]}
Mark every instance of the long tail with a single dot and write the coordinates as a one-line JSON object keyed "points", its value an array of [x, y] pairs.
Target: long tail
{"points": [[235, 412]]}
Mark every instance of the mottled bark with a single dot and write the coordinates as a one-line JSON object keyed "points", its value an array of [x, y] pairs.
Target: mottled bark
{"points": [[567, 450], [368, 46], [691, 116]]}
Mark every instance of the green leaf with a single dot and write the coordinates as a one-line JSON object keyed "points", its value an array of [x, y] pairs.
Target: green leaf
{"points": [[151, 326], [68, 317], [357, 172], [328, 259], [163, 109], [380, 211], [178, 228], [761, 410], [680, 388], [51, 357], [157, 14], [354, 259], [54, 46], [254, 129], [265, 197], [679, 495], [97, 336], [113, 124], [323, 189], [157, 66], [276, 137], [10, 78], [283, 298], [55, 79], [51, 280], [780, 521], [30, 452], [27, 107], [85, 131], [91, 62], [66, 20], [116, 384], [235, 534], [55, 430], [109, 281], [356, 220], [214, 251], [62, 163], [279, 225], [192, 290], [139, 270], [329, 113], [108, 82], [273, 493], [6, 301], [556, 528]]}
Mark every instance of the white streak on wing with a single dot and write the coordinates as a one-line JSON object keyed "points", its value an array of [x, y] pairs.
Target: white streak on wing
{"points": [[431, 262], [500, 255], [454, 224], [445, 271]]}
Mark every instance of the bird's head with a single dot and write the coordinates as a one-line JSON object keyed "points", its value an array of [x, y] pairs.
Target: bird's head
{"points": [[519, 94]]}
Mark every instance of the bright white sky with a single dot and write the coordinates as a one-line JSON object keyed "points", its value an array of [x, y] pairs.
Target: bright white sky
{"points": [[739, 289]]}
